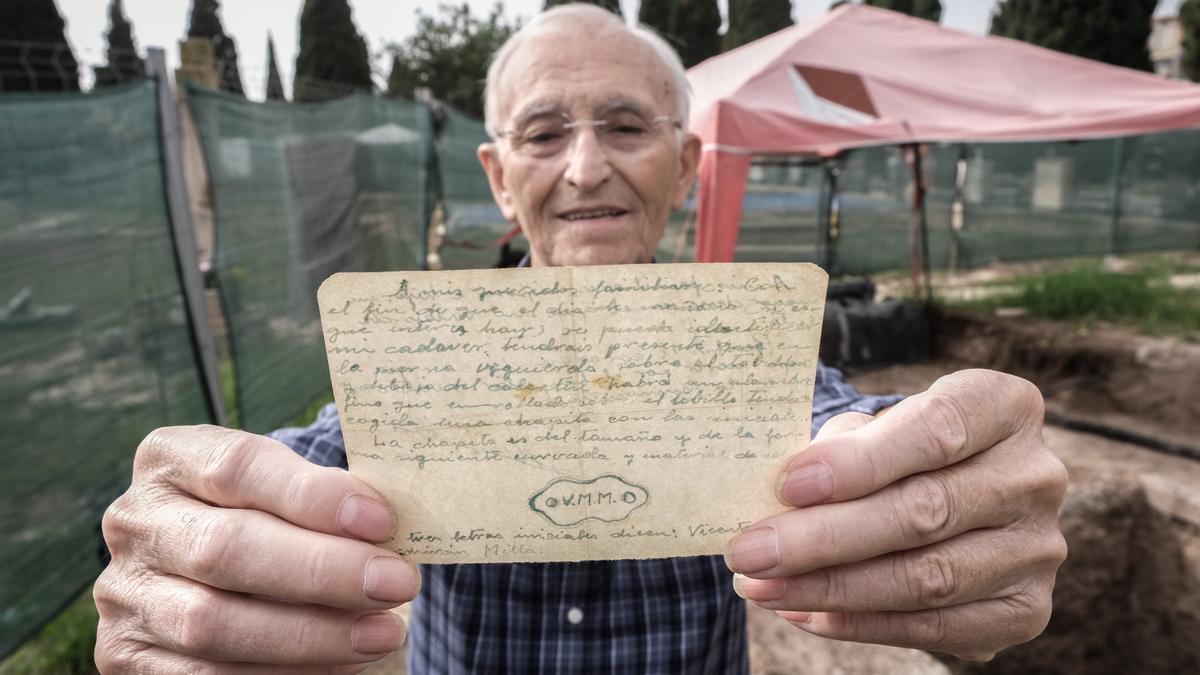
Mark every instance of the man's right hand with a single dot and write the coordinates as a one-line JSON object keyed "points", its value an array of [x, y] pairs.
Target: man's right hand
{"points": [[229, 551]]}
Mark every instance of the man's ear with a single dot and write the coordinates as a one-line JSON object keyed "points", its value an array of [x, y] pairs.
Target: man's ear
{"points": [[689, 163], [489, 157]]}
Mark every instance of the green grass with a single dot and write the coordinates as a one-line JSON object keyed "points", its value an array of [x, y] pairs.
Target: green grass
{"points": [[1088, 294], [310, 413], [63, 647]]}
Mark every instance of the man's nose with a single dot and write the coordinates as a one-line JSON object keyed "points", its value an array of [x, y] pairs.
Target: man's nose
{"points": [[588, 164]]}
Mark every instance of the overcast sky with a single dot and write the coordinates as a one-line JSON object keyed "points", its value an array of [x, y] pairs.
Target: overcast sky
{"points": [[162, 23]]}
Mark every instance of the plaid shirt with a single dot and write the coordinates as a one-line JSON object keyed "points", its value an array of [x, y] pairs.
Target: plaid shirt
{"points": [[672, 615]]}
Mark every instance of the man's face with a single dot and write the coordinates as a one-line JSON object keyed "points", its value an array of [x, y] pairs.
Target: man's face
{"points": [[592, 203]]}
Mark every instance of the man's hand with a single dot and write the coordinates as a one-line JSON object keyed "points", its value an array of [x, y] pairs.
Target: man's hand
{"points": [[229, 551], [934, 526]]}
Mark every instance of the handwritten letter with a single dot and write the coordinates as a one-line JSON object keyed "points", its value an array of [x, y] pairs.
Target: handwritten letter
{"points": [[633, 411]]}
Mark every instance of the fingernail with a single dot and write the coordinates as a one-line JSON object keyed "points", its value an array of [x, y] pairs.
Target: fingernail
{"points": [[806, 485], [758, 590], [754, 551], [365, 518], [389, 580], [375, 633], [799, 618]]}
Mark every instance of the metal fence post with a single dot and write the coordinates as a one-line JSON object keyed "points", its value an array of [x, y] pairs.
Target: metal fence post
{"points": [[958, 209], [823, 244], [1115, 216], [183, 234]]}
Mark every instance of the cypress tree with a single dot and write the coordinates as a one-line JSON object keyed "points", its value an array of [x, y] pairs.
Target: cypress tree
{"points": [[331, 51], [402, 80], [34, 53], [1189, 19], [123, 62], [1111, 31], [610, 5], [274, 82], [659, 15], [748, 21], [205, 23], [697, 23], [922, 9], [691, 26]]}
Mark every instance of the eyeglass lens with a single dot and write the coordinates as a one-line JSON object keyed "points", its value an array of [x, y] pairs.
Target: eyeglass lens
{"points": [[550, 134]]}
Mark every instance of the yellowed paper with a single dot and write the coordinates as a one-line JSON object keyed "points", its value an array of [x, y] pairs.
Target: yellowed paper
{"points": [[561, 414]]}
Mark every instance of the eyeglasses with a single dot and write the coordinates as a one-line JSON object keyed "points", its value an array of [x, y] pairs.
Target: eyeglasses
{"points": [[550, 134]]}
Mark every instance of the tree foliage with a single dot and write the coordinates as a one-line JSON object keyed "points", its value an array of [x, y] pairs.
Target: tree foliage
{"points": [[124, 64], [749, 20], [1189, 19], [449, 54], [610, 5], [922, 9], [274, 82], [402, 79], [34, 52], [205, 22], [659, 15], [332, 54], [1112, 31], [691, 26], [696, 26]]}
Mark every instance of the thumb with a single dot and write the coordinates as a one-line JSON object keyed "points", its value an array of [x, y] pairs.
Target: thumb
{"points": [[844, 423]]}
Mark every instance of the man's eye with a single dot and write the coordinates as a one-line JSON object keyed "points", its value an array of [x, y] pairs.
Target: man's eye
{"points": [[629, 129], [542, 137]]}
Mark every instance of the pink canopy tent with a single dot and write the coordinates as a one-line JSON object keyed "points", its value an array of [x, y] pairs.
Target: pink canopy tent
{"points": [[860, 76]]}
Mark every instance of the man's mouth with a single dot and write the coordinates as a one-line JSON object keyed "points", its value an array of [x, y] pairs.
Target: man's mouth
{"points": [[592, 214]]}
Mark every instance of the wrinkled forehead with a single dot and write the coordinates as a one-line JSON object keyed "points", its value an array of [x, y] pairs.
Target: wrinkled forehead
{"points": [[583, 72]]}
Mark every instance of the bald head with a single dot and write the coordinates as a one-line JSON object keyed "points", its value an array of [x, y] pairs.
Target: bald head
{"points": [[571, 27]]}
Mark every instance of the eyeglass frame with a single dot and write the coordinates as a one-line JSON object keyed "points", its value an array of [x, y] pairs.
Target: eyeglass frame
{"points": [[572, 124]]}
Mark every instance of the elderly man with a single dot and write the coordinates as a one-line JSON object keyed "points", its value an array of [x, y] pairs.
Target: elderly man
{"points": [[933, 526]]}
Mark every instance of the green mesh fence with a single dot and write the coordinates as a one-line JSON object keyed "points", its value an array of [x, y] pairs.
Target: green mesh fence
{"points": [[301, 192], [473, 221], [1020, 201], [1160, 197], [95, 348]]}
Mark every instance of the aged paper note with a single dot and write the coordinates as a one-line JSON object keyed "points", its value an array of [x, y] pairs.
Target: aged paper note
{"points": [[632, 411]]}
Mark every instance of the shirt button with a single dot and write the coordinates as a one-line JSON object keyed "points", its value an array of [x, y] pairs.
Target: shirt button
{"points": [[575, 616]]}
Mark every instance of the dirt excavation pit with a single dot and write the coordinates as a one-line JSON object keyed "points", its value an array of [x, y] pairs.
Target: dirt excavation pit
{"points": [[1145, 386], [1128, 598]]}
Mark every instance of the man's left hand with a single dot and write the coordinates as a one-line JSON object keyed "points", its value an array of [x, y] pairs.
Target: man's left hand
{"points": [[933, 526]]}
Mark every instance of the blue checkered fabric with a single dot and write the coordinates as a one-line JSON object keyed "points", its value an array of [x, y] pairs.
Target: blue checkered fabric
{"points": [[673, 615]]}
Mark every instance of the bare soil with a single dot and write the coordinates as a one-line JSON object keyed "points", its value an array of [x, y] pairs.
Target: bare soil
{"points": [[1114, 377], [1128, 598]]}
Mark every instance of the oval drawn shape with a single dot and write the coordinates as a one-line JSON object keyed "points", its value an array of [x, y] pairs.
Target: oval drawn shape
{"points": [[567, 502]]}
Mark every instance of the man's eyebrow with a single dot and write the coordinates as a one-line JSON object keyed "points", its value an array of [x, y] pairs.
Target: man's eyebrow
{"points": [[537, 108], [623, 103]]}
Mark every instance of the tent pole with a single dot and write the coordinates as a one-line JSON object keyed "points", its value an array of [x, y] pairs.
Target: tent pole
{"points": [[918, 240], [925, 257]]}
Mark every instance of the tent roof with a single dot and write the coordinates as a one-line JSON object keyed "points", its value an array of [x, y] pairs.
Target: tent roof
{"points": [[860, 75]]}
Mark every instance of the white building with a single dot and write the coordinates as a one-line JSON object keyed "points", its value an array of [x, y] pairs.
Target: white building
{"points": [[1166, 40]]}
